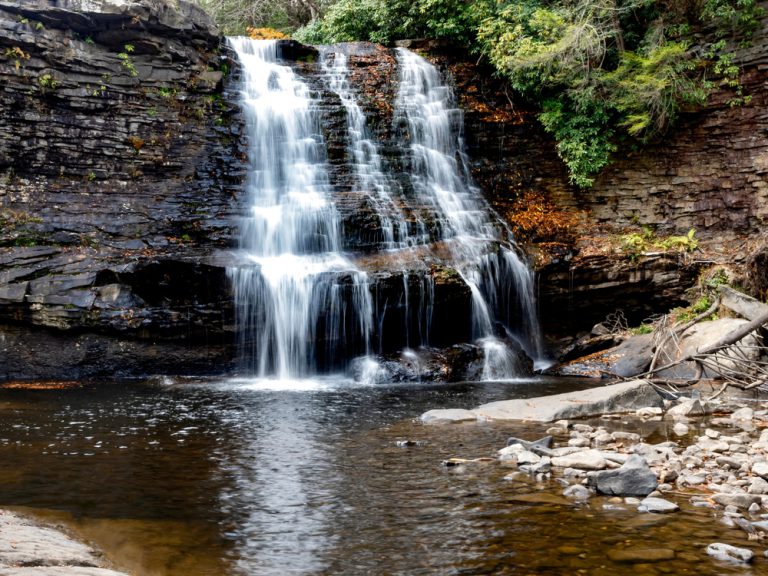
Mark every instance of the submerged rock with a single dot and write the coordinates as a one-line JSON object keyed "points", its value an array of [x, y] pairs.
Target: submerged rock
{"points": [[448, 415], [25, 543], [641, 555], [657, 506], [728, 553]]}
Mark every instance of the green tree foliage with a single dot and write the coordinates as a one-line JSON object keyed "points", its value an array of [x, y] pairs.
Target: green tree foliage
{"points": [[234, 16], [606, 73]]}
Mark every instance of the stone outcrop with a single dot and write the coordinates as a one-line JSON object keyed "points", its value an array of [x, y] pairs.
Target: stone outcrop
{"points": [[616, 398], [120, 162]]}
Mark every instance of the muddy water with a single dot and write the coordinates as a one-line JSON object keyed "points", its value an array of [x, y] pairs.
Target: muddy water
{"points": [[236, 478]]}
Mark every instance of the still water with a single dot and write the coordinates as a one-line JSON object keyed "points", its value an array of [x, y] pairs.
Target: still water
{"points": [[218, 478]]}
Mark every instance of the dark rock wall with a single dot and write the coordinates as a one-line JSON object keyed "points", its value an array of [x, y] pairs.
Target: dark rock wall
{"points": [[120, 165]]}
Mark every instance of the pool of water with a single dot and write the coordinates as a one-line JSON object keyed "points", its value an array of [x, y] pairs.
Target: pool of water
{"points": [[259, 478]]}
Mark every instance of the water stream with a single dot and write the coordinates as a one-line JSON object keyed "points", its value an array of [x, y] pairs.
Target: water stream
{"points": [[220, 478]]}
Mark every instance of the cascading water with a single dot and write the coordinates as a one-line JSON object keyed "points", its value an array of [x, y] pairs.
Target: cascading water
{"points": [[378, 186], [501, 284], [367, 162], [299, 301], [302, 305]]}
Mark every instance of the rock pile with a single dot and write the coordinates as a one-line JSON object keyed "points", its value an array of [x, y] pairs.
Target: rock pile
{"points": [[724, 468]]}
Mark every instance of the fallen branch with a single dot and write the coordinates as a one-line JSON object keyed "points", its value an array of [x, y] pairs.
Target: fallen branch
{"points": [[739, 370]]}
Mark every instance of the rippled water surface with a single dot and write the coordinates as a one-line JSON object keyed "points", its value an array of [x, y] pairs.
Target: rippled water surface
{"points": [[252, 478]]}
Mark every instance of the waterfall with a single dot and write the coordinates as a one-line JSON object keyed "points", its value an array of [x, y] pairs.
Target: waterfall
{"points": [[300, 302], [303, 305], [372, 180], [367, 163], [501, 285]]}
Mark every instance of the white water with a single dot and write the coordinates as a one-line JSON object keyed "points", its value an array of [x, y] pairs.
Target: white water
{"points": [[441, 178], [378, 186], [367, 163], [299, 299], [302, 305]]}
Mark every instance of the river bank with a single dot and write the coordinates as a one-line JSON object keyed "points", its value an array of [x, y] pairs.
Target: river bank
{"points": [[714, 457], [30, 548]]}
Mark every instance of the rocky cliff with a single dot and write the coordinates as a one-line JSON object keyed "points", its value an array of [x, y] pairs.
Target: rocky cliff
{"points": [[120, 164]]}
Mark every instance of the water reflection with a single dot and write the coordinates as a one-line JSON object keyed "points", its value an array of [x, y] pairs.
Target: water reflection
{"points": [[232, 478], [278, 494]]}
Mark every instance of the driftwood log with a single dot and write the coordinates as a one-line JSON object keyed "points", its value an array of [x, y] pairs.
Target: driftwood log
{"points": [[727, 356]]}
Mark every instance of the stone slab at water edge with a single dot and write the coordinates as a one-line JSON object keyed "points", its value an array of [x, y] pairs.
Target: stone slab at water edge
{"points": [[622, 397], [29, 549]]}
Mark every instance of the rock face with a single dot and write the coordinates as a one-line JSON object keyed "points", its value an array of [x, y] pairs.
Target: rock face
{"points": [[120, 159], [122, 162]]}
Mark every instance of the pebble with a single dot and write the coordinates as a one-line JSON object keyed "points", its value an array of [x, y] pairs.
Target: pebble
{"points": [[758, 486], [760, 468], [680, 429], [714, 434], [727, 461], [728, 553], [527, 457], [579, 442], [712, 445]]}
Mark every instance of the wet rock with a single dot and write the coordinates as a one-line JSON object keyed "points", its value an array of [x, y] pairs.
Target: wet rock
{"points": [[657, 506], [623, 397], [680, 429], [539, 498], [540, 445], [641, 555], [25, 543], [577, 492], [582, 460], [448, 415], [543, 466], [633, 478], [728, 553]]}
